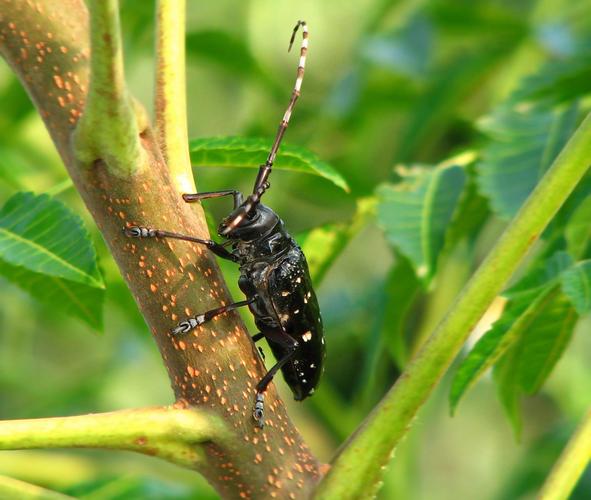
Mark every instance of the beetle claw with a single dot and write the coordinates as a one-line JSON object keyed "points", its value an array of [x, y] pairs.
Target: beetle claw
{"points": [[183, 327], [139, 232], [258, 412], [187, 325]]}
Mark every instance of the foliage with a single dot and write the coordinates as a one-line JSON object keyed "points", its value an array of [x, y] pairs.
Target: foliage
{"points": [[442, 117]]}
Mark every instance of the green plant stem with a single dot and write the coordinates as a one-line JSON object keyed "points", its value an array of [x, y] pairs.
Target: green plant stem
{"points": [[357, 469], [571, 464], [170, 92], [169, 433], [13, 488], [108, 128]]}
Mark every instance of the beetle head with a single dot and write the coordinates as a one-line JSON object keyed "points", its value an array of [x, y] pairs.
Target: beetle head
{"points": [[260, 221]]}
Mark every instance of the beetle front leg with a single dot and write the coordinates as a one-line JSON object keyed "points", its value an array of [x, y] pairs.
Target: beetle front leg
{"points": [[146, 232]]}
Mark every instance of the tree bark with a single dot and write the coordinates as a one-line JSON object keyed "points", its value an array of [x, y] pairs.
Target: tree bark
{"points": [[215, 367]]}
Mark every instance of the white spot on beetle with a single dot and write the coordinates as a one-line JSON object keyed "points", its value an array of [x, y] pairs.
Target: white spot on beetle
{"points": [[284, 294], [298, 280], [311, 391], [304, 381], [312, 365], [296, 311], [306, 337]]}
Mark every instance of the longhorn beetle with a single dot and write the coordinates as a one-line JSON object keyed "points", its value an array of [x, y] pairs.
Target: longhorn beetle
{"points": [[274, 274]]}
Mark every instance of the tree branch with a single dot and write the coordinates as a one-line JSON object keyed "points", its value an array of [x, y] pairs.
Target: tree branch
{"points": [[172, 434], [215, 367], [170, 99], [571, 464], [358, 468], [108, 129]]}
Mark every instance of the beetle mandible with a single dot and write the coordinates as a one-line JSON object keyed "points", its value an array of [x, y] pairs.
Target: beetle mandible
{"points": [[274, 273]]}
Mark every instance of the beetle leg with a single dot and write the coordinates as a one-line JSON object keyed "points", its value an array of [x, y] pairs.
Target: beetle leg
{"points": [[190, 198], [195, 321], [145, 232], [291, 345]]}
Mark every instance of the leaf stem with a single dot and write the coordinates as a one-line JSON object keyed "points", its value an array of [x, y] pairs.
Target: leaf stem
{"points": [[571, 464], [357, 470], [169, 433], [170, 97], [108, 128]]}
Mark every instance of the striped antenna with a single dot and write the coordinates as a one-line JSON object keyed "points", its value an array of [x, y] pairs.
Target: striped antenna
{"points": [[261, 184]]}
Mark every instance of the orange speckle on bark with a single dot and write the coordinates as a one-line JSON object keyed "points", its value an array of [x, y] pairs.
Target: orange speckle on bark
{"points": [[59, 83], [182, 345], [153, 287], [63, 50]]}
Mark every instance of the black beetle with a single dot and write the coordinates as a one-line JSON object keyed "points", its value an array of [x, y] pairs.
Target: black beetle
{"points": [[274, 274]]}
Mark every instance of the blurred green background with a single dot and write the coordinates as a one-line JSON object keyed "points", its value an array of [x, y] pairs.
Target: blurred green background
{"points": [[387, 83]]}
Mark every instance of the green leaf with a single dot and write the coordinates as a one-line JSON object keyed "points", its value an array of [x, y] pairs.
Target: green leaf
{"points": [[75, 299], [416, 212], [531, 358], [529, 299], [576, 284], [544, 342], [471, 212], [401, 289], [541, 272], [322, 245], [249, 152], [445, 92], [42, 235], [561, 80], [516, 319], [523, 141], [578, 231]]}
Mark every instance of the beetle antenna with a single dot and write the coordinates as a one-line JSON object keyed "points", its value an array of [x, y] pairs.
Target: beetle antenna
{"points": [[261, 184]]}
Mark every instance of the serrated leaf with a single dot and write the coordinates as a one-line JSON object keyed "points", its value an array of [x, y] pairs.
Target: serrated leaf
{"points": [[578, 231], [538, 276], [471, 212], [544, 342], [42, 235], [515, 320], [560, 80], [576, 284], [75, 299], [250, 152], [416, 212], [531, 358], [523, 141]]}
